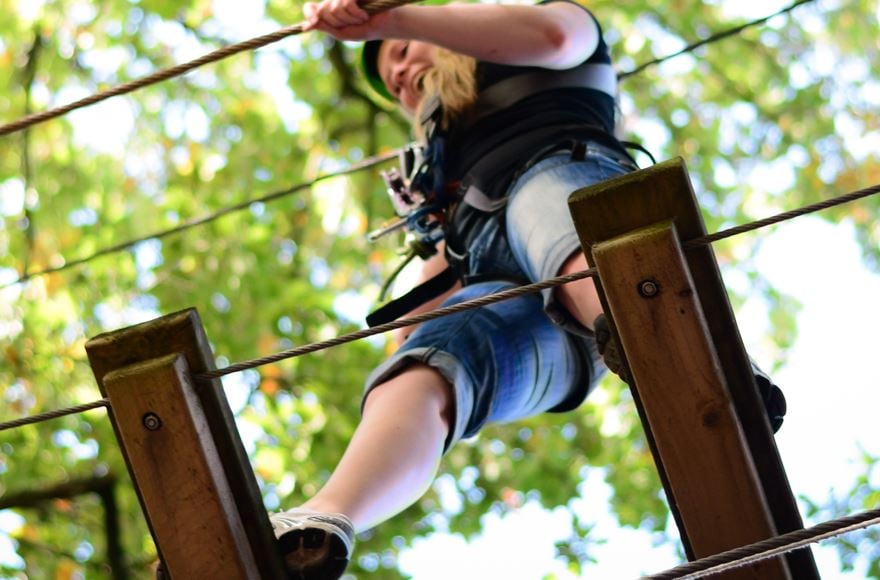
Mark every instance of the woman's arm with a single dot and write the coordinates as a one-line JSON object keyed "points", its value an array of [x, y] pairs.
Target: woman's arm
{"points": [[556, 35]]}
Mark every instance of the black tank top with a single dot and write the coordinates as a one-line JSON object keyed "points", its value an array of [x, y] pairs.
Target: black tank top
{"points": [[556, 107]]}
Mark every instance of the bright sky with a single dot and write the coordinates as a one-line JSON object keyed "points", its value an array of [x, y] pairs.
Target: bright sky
{"points": [[829, 377]]}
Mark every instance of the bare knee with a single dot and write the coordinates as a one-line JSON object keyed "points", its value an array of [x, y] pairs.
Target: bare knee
{"points": [[418, 389], [579, 298]]}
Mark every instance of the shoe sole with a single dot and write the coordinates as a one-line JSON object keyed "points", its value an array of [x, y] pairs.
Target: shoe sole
{"points": [[313, 554]]}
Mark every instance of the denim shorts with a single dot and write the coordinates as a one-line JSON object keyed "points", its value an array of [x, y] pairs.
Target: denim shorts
{"points": [[524, 356]]}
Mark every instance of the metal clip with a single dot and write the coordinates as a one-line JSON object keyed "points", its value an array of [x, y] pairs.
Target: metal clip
{"points": [[403, 200], [388, 227]]}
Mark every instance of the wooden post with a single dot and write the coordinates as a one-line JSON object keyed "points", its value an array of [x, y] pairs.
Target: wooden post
{"points": [[684, 394], [693, 383], [148, 369], [177, 469]]}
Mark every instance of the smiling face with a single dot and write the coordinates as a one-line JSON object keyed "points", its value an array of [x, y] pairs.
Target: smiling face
{"points": [[402, 65]]}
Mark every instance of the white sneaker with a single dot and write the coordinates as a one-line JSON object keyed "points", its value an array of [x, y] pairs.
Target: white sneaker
{"points": [[314, 545]]}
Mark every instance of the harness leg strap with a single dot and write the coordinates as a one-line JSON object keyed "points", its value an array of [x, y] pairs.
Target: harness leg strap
{"points": [[414, 298]]}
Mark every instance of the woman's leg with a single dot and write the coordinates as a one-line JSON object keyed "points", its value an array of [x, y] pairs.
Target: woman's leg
{"points": [[543, 237], [582, 302], [506, 361], [394, 454], [580, 298]]}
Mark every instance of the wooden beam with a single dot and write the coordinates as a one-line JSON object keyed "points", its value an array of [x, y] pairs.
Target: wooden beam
{"points": [[183, 333], [678, 376], [178, 470], [663, 193]]}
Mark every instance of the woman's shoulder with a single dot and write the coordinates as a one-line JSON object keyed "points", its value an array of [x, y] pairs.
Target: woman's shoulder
{"points": [[579, 6], [489, 73]]}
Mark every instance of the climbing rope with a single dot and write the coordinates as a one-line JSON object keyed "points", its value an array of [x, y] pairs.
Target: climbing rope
{"points": [[474, 303], [784, 216], [48, 415], [745, 555], [211, 57], [527, 289], [191, 223], [702, 241], [314, 347], [371, 6], [445, 311], [710, 39]]}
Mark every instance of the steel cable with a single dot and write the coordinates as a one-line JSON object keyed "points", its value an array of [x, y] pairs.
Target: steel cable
{"points": [[711, 39], [48, 415], [262, 41], [445, 311], [198, 221], [743, 556], [339, 340], [162, 75], [702, 241], [784, 216]]}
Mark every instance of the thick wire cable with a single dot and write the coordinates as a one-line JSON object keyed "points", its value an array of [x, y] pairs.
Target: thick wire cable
{"points": [[739, 557], [702, 241], [162, 75], [272, 37], [370, 162], [475, 303], [198, 221], [710, 39], [445, 311], [314, 347], [505, 295], [784, 216], [237, 207], [49, 415]]}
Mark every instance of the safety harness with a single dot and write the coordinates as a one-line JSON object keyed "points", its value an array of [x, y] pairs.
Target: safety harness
{"points": [[432, 208]]}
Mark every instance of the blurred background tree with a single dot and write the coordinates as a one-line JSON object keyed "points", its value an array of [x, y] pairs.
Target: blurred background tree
{"points": [[770, 119]]}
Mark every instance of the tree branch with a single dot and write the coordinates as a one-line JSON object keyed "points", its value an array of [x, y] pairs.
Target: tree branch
{"points": [[105, 487], [67, 490], [29, 73], [348, 87], [31, 545], [115, 551]]}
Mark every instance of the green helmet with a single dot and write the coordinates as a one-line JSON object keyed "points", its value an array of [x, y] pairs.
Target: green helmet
{"points": [[370, 68]]}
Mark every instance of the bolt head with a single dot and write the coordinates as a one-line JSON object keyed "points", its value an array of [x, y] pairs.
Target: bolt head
{"points": [[152, 422], [649, 288]]}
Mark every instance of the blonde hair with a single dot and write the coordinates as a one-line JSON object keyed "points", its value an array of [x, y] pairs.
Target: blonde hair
{"points": [[453, 81]]}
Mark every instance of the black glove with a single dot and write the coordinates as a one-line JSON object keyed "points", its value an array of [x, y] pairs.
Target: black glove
{"points": [[611, 353], [772, 397]]}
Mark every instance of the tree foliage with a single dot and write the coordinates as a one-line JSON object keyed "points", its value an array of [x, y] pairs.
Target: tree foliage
{"points": [[770, 119]]}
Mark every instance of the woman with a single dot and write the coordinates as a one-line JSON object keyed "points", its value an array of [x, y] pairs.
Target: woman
{"points": [[504, 163]]}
